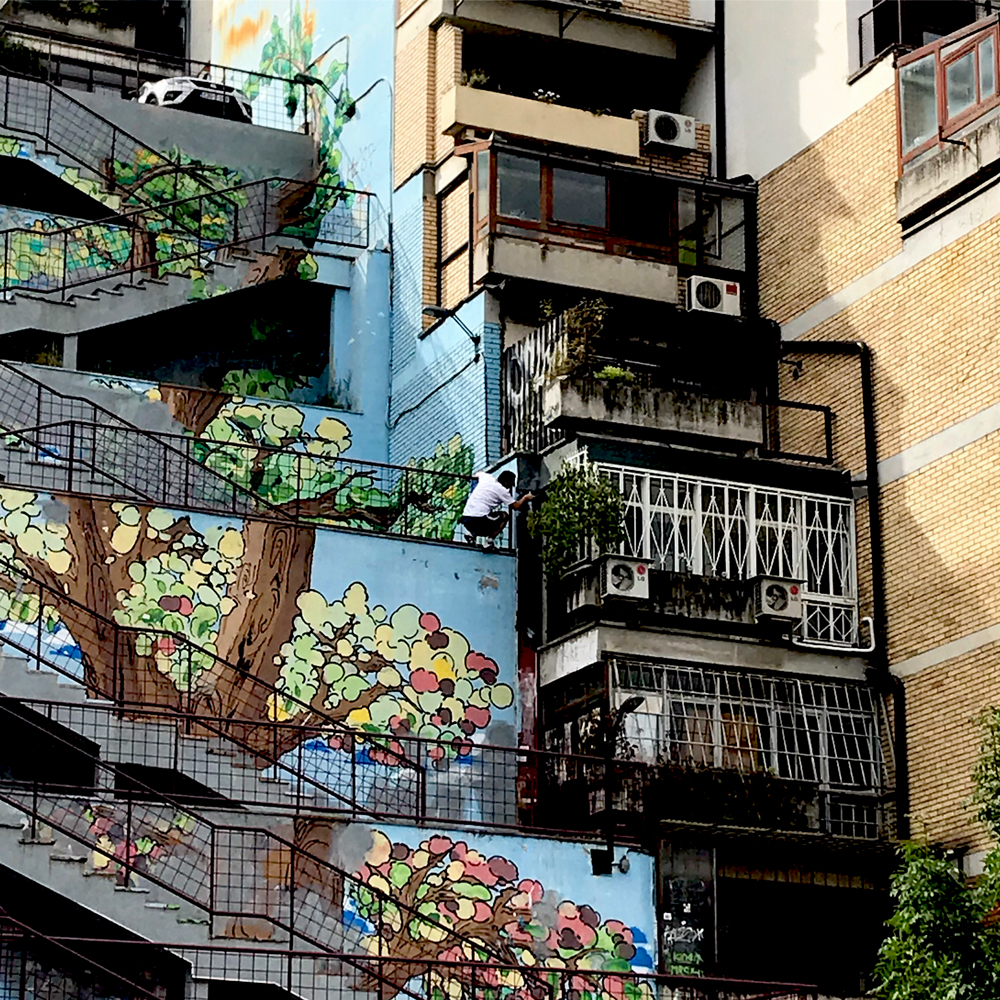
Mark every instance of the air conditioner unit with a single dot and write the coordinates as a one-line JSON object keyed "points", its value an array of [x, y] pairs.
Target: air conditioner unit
{"points": [[776, 599], [624, 577], [713, 295], [665, 130]]}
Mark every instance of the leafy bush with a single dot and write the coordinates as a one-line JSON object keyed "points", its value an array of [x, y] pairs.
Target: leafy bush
{"points": [[613, 373], [581, 508]]}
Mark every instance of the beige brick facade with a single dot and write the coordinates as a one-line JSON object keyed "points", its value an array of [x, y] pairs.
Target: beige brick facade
{"points": [[827, 217], [667, 10]]}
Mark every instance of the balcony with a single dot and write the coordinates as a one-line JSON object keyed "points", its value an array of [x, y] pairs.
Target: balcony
{"points": [[488, 111], [706, 539], [607, 230], [721, 748], [902, 25], [601, 403], [949, 116]]}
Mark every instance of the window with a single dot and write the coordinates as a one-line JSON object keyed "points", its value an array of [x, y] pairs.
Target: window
{"points": [[519, 187], [944, 86], [814, 730], [579, 198], [918, 103]]}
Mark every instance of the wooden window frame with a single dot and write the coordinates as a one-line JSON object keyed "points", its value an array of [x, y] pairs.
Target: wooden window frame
{"points": [[603, 239], [959, 45]]}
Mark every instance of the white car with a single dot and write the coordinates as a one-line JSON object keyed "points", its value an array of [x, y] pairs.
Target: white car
{"points": [[204, 97]]}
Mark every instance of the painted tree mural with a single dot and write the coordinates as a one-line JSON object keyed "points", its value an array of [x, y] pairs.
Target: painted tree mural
{"points": [[268, 450], [505, 918], [207, 607], [288, 53]]}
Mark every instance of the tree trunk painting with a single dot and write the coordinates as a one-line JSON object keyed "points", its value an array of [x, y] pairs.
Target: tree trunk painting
{"points": [[223, 620]]}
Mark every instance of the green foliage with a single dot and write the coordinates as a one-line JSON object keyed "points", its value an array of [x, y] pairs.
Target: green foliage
{"points": [[581, 509], [477, 78], [289, 55], [613, 373], [986, 774], [19, 59], [582, 326], [939, 947], [944, 940]]}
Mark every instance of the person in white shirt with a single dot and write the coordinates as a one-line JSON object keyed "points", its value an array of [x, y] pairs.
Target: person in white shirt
{"points": [[483, 516]]}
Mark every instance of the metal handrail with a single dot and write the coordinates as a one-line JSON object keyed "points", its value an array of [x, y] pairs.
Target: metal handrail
{"points": [[130, 792], [72, 448], [566, 982], [26, 933], [120, 139], [247, 226]]}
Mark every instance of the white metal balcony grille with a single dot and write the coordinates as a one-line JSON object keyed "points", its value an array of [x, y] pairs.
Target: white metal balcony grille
{"points": [[814, 730], [737, 531]]}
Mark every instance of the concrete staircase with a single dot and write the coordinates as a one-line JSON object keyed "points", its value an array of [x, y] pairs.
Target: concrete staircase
{"points": [[220, 765], [118, 298]]}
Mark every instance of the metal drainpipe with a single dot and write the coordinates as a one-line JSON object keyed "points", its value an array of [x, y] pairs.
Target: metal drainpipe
{"points": [[880, 655]]}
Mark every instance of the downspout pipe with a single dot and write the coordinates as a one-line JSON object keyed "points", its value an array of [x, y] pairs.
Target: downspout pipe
{"points": [[721, 165], [880, 654]]}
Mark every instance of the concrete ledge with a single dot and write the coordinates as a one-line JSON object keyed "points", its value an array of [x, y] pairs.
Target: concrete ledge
{"points": [[470, 107], [660, 410], [932, 178], [513, 257]]}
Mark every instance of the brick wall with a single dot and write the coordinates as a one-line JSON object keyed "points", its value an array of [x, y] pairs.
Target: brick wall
{"points": [[668, 10], [828, 215], [414, 112]]}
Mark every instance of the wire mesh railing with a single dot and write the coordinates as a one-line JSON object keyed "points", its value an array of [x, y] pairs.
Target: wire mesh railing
{"points": [[248, 881], [34, 965], [342, 977], [115, 161], [142, 666], [178, 236], [414, 501], [279, 102]]}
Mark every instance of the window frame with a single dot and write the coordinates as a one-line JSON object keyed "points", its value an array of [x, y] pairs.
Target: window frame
{"points": [[606, 239], [958, 45]]}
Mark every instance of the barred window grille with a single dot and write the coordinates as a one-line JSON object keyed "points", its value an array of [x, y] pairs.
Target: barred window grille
{"points": [[738, 531], [814, 730]]}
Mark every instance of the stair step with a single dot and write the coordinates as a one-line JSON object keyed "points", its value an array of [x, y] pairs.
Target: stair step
{"points": [[78, 859]]}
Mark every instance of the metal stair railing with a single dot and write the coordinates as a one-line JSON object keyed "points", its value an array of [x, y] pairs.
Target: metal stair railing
{"points": [[145, 467], [131, 670], [458, 980], [386, 789], [133, 67], [28, 957], [248, 876], [192, 230], [82, 135]]}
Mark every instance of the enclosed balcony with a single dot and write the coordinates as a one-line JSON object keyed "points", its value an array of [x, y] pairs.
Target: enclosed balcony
{"points": [[707, 543], [721, 748], [949, 117], [608, 230]]}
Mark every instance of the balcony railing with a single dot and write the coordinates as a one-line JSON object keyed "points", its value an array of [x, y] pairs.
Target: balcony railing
{"points": [[945, 86], [739, 531], [903, 25], [76, 63]]}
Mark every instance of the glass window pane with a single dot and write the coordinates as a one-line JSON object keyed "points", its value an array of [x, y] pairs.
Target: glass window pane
{"points": [[987, 69], [519, 183], [918, 100], [960, 84], [579, 199], [483, 184]]}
